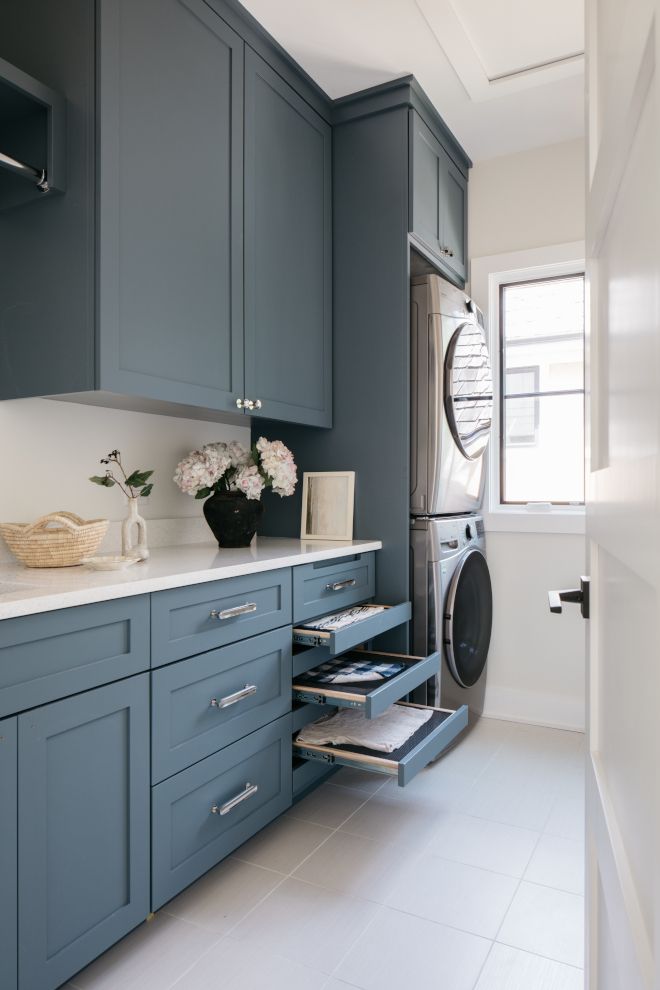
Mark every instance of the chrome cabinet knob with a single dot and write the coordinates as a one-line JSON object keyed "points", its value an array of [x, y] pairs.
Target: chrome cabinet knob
{"points": [[240, 403]]}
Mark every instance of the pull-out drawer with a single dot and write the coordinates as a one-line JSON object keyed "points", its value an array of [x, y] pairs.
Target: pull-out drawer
{"points": [[202, 704], [186, 621], [332, 584], [51, 655], [205, 812], [404, 763], [371, 697], [338, 641]]}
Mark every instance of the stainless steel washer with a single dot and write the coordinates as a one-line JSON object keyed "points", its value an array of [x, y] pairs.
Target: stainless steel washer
{"points": [[452, 607]]}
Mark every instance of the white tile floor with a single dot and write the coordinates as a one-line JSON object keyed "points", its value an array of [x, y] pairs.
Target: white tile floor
{"points": [[469, 879]]}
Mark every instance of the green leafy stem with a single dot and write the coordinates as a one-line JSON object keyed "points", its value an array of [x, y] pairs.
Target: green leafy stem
{"points": [[133, 485]]}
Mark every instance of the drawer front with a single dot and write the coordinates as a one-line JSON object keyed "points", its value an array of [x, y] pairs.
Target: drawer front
{"points": [[186, 621], [200, 705], [373, 698], [8, 854], [204, 813], [54, 654], [331, 585], [404, 763]]}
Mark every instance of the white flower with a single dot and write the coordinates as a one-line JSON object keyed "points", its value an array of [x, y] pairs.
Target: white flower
{"points": [[201, 469], [278, 465], [248, 480]]}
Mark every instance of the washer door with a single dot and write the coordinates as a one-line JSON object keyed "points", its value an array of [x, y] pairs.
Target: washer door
{"points": [[468, 619], [469, 390]]}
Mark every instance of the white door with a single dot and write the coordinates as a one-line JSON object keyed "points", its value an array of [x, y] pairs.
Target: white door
{"points": [[623, 503]]}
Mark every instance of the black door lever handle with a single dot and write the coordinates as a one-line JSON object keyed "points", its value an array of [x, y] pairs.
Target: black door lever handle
{"points": [[579, 596]]}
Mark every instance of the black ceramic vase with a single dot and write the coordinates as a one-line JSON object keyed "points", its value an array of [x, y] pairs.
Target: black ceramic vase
{"points": [[233, 518]]}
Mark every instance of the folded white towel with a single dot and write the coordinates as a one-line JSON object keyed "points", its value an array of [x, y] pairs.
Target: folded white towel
{"points": [[385, 733]]}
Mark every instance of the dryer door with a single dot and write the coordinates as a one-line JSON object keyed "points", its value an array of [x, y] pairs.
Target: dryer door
{"points": [[469, 390], [468, 619]]}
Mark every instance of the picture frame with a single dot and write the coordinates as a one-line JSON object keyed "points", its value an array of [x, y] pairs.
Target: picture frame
{"points": [[328, 499]]}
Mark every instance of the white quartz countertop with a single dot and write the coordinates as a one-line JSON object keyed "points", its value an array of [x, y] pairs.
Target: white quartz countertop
{"points": [[25, 590]]}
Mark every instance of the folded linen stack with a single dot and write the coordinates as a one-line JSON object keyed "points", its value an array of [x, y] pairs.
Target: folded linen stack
{"points": [[385, 733], [341, 620]]}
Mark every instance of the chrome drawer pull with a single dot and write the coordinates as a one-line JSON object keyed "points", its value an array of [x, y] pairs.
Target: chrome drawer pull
{"points": [[228, 806], [231, 699], [339, 585], [230, 613]]}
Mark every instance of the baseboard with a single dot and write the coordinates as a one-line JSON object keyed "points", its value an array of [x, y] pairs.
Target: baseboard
{"points": [[534, 708]]}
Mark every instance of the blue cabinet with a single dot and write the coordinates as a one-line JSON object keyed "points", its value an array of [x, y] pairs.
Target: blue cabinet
{"points": [[288, 248], [8, 855], [170, 202], [83, 819], [438, 198], [150, 258]]}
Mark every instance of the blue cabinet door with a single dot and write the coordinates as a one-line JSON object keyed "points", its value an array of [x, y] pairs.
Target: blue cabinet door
{"points": [[8, 854], [170, 203], [288, 245], [83, 816], [438, 201]]}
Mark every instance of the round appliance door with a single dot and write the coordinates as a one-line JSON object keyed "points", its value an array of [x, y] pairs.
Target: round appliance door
{"points": [[468, 619], [469, 390]]}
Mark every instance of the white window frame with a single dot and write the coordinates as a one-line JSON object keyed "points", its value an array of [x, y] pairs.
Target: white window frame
{"points": [[486, 276]]}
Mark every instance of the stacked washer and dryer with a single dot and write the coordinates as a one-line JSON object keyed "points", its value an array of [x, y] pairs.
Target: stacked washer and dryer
{"points": [[452, 404]]}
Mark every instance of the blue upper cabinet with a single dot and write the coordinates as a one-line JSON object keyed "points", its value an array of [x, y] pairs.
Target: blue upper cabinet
{"points": [[288, 251], [157, 279], [170, 203], [438, 200]]}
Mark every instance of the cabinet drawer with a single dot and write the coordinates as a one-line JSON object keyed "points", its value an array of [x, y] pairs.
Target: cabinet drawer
{"points": [[332, 584], [371, 697], [192, 620], [203, 813], [335, 642], [54, 654], [8, 854], [200, 705], [404, 763]]}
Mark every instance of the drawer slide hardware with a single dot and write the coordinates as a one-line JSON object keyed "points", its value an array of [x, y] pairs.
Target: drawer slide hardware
{"points": [[340, 585], [223, 809], [231, 699], [310, 754], [232, 613], [322, 699]]}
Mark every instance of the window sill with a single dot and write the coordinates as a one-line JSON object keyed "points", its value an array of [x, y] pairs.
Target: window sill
{"points": [[523, 521]]}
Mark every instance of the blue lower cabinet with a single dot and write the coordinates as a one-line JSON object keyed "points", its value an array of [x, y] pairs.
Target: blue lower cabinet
{"points": [[83, 816], [203, 813], [8, 853]]}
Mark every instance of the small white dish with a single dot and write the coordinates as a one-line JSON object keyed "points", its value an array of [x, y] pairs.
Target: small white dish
{"points": [[109, 562]]}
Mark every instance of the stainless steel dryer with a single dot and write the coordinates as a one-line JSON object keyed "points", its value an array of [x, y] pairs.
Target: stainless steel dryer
{"points": [[452, 399], [452, 607]]}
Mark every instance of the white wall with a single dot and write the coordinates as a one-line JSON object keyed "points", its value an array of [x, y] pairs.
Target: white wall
{"points": [[48, 450], [536, 667], [531, 199]]}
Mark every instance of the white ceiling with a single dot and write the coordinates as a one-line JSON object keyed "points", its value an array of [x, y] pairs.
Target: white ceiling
{"points": [[506, 75]]}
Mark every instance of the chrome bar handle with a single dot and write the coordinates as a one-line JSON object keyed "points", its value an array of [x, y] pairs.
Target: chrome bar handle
{"points": [[231, 699], [231, 613], [339, 585], [224, 809]]}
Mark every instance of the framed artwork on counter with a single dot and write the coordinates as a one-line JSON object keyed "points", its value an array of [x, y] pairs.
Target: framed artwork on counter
{"points": [[327, 505]]}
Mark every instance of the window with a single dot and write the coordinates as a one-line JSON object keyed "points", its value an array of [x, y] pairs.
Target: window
{"points": [[541, 329]]}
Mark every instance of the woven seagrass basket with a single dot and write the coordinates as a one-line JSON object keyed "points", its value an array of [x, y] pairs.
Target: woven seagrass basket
{"points": [[60, 539]]}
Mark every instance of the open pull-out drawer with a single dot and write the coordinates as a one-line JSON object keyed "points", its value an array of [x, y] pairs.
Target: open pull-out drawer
{"points": [[372, 697], [404, 763], [324, 643]]}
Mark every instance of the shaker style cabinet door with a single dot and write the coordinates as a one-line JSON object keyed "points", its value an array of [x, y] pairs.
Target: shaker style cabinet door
{"points": [[288, 245], [438, 200], [8, 854], [170, 203], [83, 816]]}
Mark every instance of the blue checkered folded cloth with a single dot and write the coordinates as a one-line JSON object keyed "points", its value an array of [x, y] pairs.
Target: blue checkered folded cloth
{"points": [[349, 670]]}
